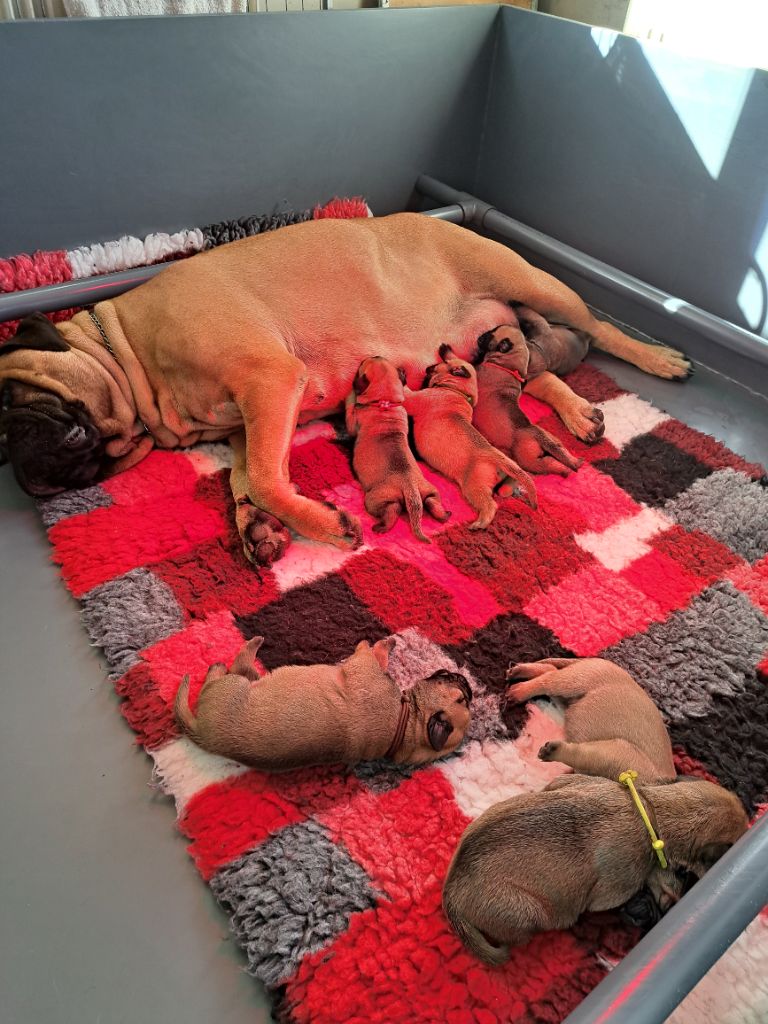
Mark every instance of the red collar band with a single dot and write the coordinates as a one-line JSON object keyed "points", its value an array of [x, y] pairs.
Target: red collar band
{"points": [[513, 373], [402, 725]]}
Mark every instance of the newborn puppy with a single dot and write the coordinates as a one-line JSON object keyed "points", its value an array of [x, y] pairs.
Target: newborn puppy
{"points": [[537, 862], [553, 347], [298, 716], [447, 441], [498, 416], [611, 724], [382, 460]]}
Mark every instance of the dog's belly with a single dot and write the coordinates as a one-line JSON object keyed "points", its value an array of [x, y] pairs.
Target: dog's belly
{"points": [[408, 340]]}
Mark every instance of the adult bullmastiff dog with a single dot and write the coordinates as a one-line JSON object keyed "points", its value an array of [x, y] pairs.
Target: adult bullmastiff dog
{"points": [[254, 337]]}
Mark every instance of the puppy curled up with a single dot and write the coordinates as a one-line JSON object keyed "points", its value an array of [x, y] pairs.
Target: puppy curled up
{"points": [[298, 716], [611, 724], [382, 459], [537, 862], [447, 441]]}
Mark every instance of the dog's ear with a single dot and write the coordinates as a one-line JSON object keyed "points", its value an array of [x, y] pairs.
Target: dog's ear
{"points": [[428, 374], [362, 646], [360, 383], [438, 730], [401, 375], [711, 854], [444, 675], [36, 332], [445, 352], [382, 650], [483, 344]]}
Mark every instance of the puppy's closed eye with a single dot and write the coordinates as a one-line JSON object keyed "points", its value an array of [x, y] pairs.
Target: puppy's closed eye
{"points": [[438, 730], [504, 346], [460, 371]]}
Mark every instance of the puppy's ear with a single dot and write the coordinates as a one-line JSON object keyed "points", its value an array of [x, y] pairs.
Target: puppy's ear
{"points": [[362, 646], [483, 344], [711, 854], [438, 730], [444, 675], [382, 650], [445, 352], [401, 375], [428, 374], [35, 332], [360, 383]]}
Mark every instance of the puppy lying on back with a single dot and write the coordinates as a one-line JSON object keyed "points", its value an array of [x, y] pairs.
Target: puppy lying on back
{"points": [[447, 441], [298, 716], [498, 416], [537, 862], [382, 461], [611, 724]]}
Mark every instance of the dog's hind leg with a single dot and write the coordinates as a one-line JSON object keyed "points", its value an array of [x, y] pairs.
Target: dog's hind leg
{"points": [[386, 516], [608, 758], [270, 398]]}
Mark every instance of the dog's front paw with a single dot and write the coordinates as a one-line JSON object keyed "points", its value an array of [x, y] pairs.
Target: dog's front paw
{"points": [[665, 362], [584, 421], [264, 537], [549, 751]]}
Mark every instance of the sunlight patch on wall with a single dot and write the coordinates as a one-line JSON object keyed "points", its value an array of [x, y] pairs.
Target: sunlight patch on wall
{"points": [[708, 99], [752, 298]]}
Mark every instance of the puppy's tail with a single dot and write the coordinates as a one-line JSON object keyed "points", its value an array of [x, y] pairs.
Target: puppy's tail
{"points": [[471, 936], [415, 510], [182, 711]]}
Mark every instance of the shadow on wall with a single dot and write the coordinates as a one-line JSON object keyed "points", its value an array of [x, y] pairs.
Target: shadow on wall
{"points": [[655, 163]]}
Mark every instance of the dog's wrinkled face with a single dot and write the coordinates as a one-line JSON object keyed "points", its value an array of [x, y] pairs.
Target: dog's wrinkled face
{"points": [[506, 346], [443, 708], [452, 372], [379, 380], [51, 445]]}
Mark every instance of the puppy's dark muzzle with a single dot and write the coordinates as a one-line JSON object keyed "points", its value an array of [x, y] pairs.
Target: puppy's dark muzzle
{"points": [[51, 446]]}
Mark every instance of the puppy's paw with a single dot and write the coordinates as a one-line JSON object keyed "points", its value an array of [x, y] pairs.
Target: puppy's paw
{"points": [[584, 421], [665, 362], [341, 528], [264, 537], [549, 751]]}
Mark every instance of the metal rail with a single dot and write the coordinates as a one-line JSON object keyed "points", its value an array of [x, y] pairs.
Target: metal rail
{"points": [[480, 214]]}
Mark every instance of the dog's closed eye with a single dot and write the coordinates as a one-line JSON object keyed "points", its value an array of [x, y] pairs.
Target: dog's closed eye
{"points": [[504, 346], [460, 371]]}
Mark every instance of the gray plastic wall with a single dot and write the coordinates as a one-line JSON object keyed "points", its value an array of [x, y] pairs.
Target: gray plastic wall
{"points": [[153, 124], [583, 142]]}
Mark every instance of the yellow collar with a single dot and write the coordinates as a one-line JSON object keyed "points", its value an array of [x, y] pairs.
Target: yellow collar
{"points": [[627, 778]]}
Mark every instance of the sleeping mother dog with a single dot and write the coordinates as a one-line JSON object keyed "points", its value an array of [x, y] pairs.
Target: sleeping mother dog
{"points": [[254, 337]]}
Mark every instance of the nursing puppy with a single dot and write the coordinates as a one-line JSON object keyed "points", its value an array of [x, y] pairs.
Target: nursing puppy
{"points": [[299, 716], [447, 441], [611, 724], [537, 862], [498, 416], [537, 351], [382, 460]]}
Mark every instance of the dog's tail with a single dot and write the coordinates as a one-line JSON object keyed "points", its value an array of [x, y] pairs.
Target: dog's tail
{"points": [[415, 509], [182, 711], [471, 936]]}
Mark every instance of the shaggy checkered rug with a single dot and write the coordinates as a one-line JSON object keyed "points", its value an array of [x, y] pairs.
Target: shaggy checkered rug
{"points": [[653, 554]]}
